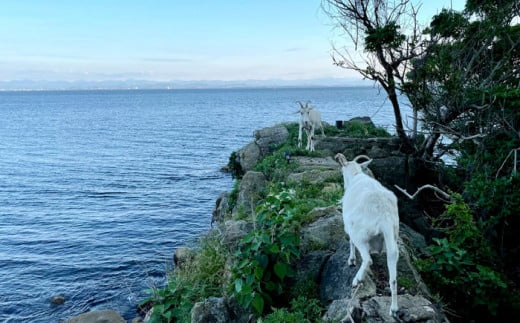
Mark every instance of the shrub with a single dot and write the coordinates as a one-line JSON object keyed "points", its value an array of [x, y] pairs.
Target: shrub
{"points": [[460, 264], [266, 255], [195, 281], [234, 166]]}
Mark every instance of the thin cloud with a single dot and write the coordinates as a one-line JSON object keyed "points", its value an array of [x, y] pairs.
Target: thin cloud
{"points": [[166, 59]]}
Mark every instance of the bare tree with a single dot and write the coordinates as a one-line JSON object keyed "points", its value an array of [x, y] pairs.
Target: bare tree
{"points": [[389, 35]]}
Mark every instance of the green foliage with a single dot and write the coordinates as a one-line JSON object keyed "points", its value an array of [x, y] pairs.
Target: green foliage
{"points": [[197, 279], [303, 310], [275, 166], [386, 37], [234, 166], [461, 263], [448, 24], [266, 255], [233, 196], [357, 129]]}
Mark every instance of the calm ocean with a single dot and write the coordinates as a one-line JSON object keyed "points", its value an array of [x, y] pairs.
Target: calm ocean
{"points": [[97, 188]]}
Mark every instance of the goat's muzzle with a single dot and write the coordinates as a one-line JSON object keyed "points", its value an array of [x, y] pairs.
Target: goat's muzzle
{"points": [[341, 159]]}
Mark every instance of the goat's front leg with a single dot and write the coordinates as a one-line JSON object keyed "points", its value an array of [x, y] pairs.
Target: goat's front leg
{"points": [[311, 139], [300, 137]]}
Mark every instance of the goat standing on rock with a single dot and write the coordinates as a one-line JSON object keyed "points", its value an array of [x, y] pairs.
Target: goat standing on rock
{"points": [[310, 119], [371, 218]]}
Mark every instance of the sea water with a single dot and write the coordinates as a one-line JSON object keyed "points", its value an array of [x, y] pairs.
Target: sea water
{"points": [[98, 188]]}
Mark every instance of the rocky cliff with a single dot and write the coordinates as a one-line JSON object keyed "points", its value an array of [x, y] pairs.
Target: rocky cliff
{"points": [[324, 248]]}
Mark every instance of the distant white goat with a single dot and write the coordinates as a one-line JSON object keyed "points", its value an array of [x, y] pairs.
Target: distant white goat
{"points": [[371, 220], [310, 119]]}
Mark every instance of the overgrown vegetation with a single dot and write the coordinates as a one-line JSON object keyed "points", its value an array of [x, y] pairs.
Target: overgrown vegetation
{"points": [[461, 76], [462, 262], [261, 271], [198, 278], [266, 255]]}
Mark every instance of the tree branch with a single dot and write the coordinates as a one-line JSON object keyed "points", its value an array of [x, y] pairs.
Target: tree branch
{"points": [[436, 189]]}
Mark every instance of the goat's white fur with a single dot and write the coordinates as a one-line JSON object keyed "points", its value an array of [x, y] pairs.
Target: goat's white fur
{"points": [[371, 218], [310, 119]]}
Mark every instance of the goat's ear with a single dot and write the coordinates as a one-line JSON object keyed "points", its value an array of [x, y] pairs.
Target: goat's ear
{"points": [[365, 164]]}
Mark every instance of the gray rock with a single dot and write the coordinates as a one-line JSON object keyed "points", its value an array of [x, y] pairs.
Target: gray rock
{"points": [[309, 163], [219, 310], [310, 265], [211, 310], [232, 231], [251, 185], [57, 299], [339, 310], [265, 141], [320, 212], [314, 176], [221, 209], [363, 120], [376, 309], [104, 316], [249, 156], [351, 147], [182, 255], [268, 138], [412, 309], [325, 233], [337, 275]]}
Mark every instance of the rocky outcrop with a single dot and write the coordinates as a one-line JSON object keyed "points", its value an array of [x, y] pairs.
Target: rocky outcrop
{"points": [[249, 190], [104, 316], [219, 310], [265, 142], [324, 245]]}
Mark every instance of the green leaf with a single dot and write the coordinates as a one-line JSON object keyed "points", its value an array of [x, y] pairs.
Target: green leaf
{"points": [[259, 273], [280, 269], [274, 249], [258, 303], [270, 286], [243, 263], [238, 285]]}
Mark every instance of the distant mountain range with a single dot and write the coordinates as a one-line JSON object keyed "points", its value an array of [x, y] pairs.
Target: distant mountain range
{"points": [[35, 85]]}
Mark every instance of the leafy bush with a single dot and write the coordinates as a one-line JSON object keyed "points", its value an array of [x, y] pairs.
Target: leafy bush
{"points": [[460, 265], [234, 166], [356, 129], [197, 279], [266, 255], [302, 310]]}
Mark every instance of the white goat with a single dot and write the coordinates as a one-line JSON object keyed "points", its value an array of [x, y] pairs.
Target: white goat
{"points": [[371, 218], [310, 119]]}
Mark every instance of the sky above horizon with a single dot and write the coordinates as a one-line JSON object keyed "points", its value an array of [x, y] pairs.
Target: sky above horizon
{"points": [[165, 40]]}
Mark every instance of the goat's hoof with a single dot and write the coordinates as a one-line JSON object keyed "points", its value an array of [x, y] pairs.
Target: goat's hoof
{"points": [[351, 262]]}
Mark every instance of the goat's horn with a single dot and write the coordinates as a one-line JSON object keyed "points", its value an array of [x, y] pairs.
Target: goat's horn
{"points": [[301, 104], [361, 156], [341, 159]]}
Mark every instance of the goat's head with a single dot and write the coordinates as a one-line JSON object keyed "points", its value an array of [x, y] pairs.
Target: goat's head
{"points": [[304, 113], [354, 167]]}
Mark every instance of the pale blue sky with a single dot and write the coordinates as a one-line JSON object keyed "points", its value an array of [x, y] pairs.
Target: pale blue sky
{"points": [[96, 40]]}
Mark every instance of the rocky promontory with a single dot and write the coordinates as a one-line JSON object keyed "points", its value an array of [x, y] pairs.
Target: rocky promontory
{"points": [[270, 160]]}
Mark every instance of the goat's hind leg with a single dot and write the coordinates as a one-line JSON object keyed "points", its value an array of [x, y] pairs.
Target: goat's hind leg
{"points": [[392, 256], [352, 256], [364, 251]]}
